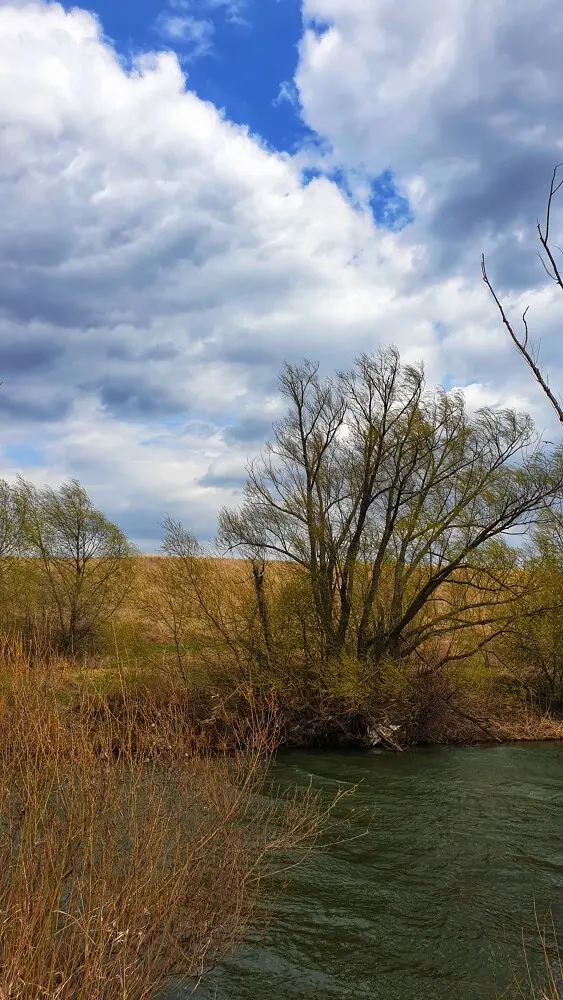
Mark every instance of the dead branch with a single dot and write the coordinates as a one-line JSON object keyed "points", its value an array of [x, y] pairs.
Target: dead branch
{"points": [[522, 343]]}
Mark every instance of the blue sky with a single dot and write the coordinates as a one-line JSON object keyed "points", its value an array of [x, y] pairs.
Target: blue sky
{"points": [[247, 67], [250, 56], [193, 191]]}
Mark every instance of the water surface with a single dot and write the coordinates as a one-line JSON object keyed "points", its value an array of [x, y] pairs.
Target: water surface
{"points": [[431, 903]]}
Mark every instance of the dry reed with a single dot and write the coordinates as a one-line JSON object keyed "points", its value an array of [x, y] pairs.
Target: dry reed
{"points": [[127, 854]]}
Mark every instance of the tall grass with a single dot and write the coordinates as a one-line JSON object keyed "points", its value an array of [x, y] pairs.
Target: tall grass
{"points": [[551, 987], [543, 964], [128, 853]]}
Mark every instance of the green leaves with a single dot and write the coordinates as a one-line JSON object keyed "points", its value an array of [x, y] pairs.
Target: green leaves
{"points": [[82, 561]]}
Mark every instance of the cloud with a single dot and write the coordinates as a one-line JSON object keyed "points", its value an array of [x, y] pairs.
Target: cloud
{"points": [[233, 9], [188, 25], [159, 263], [287, 92], [184, 30], [28, 356], [461, 100], [224, 475], [253, 429]]}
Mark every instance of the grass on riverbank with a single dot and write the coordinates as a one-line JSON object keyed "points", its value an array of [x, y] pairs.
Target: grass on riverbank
{"points": [[204, 622], [220, 717], [128, 852]]}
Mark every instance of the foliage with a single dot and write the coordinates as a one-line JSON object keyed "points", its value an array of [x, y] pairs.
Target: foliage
{"points": [[84, 561], [11, 525], [531, 643]]}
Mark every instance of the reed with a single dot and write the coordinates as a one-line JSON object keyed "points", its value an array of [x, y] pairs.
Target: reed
{"points": [[128, 852]]}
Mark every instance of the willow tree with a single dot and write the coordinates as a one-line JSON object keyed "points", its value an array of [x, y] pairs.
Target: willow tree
{"points": [[383, 491], [531, 646], [84, 560]]}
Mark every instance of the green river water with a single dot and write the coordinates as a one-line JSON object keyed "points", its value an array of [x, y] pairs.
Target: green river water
{"points": [[433, 902]]}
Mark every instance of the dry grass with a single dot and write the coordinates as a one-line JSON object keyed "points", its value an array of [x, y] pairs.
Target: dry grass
{"points": [[547, 985], [529, 725], [127, 853]]}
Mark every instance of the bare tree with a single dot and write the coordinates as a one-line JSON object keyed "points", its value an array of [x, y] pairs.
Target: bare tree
{"points": [[200, 605], [553, 271], [383, 492], [167, 602]]}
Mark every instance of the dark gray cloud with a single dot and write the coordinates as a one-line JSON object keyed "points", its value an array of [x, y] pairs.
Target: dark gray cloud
{"points": [[34, 246], [250, 352], [29, 409], [130, 397], [248, 430], [129, 352], [160, 352], [28, 356], [146, 524], [504, 193], [141, 523], [222, 478], [31, 295]]}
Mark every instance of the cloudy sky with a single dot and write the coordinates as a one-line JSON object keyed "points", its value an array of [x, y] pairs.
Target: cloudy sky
{"points": [[192, 191]]}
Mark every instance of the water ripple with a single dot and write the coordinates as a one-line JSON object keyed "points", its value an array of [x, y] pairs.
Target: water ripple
{"points": [[432, 903]]}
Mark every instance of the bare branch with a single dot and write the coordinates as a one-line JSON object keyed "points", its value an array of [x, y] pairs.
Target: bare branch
{"points": [[522, 343]]}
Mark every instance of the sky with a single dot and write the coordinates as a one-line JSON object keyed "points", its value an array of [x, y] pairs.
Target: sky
{"points": [[194, 191]]}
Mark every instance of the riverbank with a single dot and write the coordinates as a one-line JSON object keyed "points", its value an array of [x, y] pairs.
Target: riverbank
{"points": [[348, 727], [223, 639], [397, 706], [222, 715]]}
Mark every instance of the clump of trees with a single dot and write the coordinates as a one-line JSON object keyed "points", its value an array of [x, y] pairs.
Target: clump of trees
{"points": [[381, 541]]}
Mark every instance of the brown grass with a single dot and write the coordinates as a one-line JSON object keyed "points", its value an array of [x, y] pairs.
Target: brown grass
{"points": [[547, 985], [128, 854], [529, 725]]}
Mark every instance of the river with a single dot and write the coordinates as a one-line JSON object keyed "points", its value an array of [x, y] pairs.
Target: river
{"points": [[432, 902]]}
